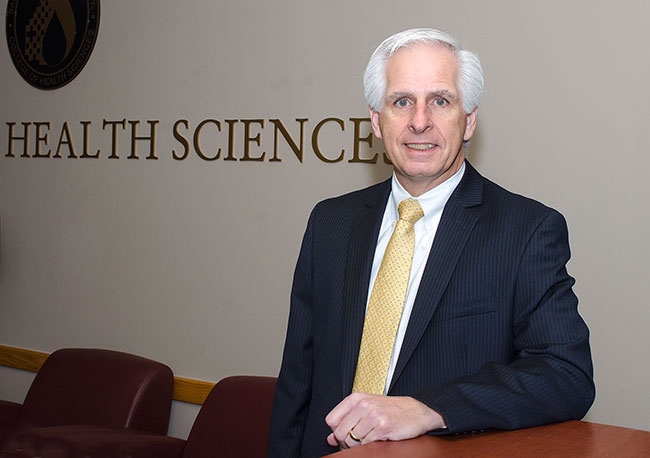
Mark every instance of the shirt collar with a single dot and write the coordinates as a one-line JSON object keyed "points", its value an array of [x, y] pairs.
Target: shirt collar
{"points": [[432, 201]]}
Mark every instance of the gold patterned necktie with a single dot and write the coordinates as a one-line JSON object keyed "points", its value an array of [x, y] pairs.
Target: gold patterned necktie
{"points": [[387, 302]]}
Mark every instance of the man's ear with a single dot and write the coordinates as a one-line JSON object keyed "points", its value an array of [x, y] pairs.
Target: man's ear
{"points": [[374, 119], [470, 127]]}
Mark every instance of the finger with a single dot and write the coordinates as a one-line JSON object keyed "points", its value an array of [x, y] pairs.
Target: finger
{"points": [[354, 436], [376, 425], [344, 417], [333, 419], [360, 431], [342, 432], [332, 440], [353, 440], [361, 419]]}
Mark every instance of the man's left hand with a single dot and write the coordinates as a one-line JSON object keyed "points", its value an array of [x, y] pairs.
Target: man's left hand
{"points": [[361, 418]]}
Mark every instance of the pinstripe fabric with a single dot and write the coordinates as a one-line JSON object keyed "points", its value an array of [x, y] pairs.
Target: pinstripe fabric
{"points": [[494, 338]]}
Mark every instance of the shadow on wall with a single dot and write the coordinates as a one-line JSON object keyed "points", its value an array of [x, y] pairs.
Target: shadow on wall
{"points": [[383, 170], [475, 149]]}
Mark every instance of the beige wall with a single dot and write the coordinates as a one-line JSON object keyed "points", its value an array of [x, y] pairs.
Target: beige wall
{"points": [[190, 262]]}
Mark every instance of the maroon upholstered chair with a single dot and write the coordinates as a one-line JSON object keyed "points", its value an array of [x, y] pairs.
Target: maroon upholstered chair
{"points": [[8, 416], [232, 423], [76, 389], [234, 420]]}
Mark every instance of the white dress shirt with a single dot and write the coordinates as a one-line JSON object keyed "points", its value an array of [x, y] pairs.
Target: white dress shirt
{"points": [[432, 203]]}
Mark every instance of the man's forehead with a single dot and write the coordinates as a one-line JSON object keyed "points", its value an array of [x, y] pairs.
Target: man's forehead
{"points": [[422, 67]]}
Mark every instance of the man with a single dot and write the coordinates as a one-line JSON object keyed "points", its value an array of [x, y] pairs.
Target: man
{"points": [[487, 333]]}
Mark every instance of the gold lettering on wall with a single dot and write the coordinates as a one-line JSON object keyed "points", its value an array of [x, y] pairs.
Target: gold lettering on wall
{"points": [[314, 140], [182, 140], [65, 139], [231, 140], [197, 146], [298, 151], [114, 125], [244, 140], [85, 153], [151, 138], [41, 139], [358, 139], [24, 138], [248, 139]]}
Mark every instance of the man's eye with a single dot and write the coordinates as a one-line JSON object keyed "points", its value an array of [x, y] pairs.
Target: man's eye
{"points": [[402, 103], [440, 102]]}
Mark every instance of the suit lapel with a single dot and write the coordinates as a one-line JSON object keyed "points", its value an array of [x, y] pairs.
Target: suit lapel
{"points": [[458, 219], [361, 250]]}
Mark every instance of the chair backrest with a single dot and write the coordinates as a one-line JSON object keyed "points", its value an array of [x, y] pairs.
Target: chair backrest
{"points": [[234, 419], [99, 387]]}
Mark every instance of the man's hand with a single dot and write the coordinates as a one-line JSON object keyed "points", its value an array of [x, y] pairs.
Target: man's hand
{"points": [[362, 418]]}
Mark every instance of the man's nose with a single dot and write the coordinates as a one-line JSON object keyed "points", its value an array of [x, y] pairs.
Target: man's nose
{"points": [[421, 120]]}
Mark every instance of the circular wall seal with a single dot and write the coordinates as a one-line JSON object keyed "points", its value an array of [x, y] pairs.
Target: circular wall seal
{"points": [[50, 41]]}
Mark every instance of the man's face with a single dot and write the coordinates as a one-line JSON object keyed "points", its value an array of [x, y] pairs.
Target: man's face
{"points": [[422, 122]]}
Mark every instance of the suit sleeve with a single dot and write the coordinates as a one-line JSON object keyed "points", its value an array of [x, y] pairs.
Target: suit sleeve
{"points": [[293, 389], [550, 378]]}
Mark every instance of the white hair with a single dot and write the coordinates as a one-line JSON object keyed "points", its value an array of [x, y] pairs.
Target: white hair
{"points": [[470, 79]]}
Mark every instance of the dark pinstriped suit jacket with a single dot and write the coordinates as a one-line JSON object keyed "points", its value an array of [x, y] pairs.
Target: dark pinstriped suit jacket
{"points": [[494, 339]]}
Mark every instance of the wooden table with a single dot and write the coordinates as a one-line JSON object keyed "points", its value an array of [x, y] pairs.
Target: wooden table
{"points": [[570, 439]]}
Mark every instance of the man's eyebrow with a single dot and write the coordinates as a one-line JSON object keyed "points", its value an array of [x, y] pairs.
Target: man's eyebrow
{"points": [[398, 95], [439, 93], [444, 93]]}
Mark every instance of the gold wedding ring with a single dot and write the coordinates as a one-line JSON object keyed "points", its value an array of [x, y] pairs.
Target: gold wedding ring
{"points": [[353, 437]]}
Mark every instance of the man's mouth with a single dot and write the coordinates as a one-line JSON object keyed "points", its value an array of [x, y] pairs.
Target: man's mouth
{"points": [[421, 146]]}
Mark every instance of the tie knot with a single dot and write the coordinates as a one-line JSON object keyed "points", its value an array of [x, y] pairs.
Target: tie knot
{"points": [[410, 210]]}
